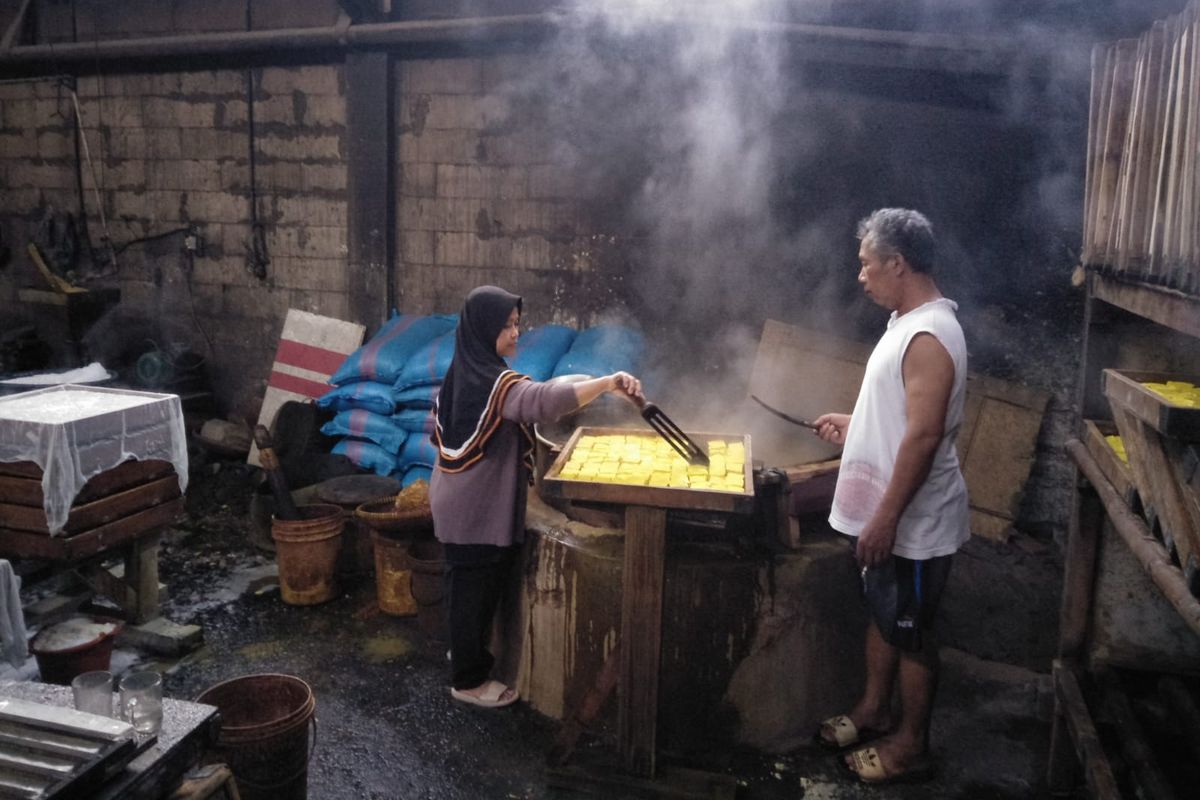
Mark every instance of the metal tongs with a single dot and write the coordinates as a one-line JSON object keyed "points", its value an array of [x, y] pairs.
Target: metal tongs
{"points": [[667, 429]]}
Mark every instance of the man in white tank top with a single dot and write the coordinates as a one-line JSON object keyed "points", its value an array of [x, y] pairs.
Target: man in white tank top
{"points": [[900, 493]]}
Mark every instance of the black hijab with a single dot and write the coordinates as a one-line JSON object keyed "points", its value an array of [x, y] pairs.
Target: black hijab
{"points": [[472, 395]]}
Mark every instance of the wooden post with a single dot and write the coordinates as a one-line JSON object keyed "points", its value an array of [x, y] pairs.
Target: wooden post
{"points": [[1073, 723], [641, 637], [1079, 571]]}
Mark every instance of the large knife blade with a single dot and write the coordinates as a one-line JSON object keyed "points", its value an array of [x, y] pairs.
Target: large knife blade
{"points": [[801, 422]]}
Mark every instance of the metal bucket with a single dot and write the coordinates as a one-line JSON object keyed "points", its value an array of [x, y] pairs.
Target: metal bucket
{"points": [[307, 552], [264, 736]]}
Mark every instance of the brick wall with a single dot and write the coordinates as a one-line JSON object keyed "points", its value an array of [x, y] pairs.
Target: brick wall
{"points": [[485, 195], [171, 150], [482, 198]]}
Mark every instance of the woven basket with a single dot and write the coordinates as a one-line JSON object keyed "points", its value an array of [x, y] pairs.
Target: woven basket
{"points": [[382, 515]]}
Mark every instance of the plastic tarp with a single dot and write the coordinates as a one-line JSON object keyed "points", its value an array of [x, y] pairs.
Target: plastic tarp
{"points": [[76, 432]]}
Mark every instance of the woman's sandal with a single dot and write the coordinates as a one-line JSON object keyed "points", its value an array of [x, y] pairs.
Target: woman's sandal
{"points": [[492, 696]]}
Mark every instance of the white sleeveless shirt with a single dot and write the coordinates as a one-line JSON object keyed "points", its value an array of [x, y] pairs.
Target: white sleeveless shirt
{"points": [[937, 520]]}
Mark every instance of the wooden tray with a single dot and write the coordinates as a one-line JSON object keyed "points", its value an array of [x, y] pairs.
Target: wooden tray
{"points": [[1124, 388], [656, 496], [1116, 470]]}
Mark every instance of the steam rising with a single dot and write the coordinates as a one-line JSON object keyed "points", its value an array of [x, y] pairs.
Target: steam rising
{"points": [[730, 170]]}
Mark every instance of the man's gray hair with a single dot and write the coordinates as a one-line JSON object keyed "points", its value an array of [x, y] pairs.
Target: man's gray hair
{"points": [[901, 231]]}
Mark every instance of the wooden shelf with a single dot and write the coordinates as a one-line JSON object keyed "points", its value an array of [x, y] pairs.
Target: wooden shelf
{"points": [[1167, 307]]}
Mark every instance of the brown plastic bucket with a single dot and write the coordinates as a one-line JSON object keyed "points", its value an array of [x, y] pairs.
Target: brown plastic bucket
{"points": [[62, 660], [426, 560], [393, 577], [307, 552], [264, 736]]}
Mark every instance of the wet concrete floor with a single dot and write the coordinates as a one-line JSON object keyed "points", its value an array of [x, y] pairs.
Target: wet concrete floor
{"points": [[387, 728]]}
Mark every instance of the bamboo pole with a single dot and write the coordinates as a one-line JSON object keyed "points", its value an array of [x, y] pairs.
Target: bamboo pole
{"points": [[1149, 551]]}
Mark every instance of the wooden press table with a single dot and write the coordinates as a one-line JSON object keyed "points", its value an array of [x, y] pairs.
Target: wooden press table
{"points": [[188, 729], [88, 470], [642, 582]]}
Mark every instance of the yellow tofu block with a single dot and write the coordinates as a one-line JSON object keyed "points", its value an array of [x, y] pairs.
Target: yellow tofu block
{"points": [[658, 479], [716, 446], [716, 464]]}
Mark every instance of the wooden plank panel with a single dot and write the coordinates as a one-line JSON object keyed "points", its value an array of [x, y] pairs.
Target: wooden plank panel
{"points": [[641, 637], [22, 544], [27, 490], [95, 513], [20, 491], [20, 469]]}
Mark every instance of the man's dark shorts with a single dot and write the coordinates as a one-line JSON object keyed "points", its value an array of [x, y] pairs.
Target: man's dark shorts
{"points": [[902, 596]]}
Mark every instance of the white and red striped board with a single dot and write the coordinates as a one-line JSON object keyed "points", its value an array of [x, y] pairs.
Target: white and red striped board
{"points": [[311, 348]]}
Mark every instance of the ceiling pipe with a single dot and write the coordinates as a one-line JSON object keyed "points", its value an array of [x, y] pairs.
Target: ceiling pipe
{"points": [[986, 55], [339, 37]]}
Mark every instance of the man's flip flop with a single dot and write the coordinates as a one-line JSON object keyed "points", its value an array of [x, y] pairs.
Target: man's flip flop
{"points": [[869, 768], [845, 733], [490, 697]]}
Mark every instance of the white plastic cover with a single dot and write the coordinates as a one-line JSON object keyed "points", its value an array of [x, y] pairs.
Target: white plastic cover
{"points": [[75, 432]]}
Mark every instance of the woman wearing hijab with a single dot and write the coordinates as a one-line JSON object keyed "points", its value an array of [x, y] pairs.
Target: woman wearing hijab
{"points": [[485, 461]]}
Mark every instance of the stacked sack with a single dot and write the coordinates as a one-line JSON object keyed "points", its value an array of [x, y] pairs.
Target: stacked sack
{"points": [[385, 391], [365, 396], [602, 350]]}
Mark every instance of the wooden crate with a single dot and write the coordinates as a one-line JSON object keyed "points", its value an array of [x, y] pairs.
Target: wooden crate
{"points": [[1124, 388], [741, 502]]}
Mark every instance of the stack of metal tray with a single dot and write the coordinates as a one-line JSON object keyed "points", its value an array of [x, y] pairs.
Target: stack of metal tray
{"points": [[53, 752]]}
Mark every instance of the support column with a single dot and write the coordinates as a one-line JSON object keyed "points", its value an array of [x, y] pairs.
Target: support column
{"points": [[371, 201]]}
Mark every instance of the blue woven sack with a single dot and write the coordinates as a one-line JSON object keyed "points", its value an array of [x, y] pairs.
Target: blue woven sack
{"points": [[363, 424], [539, 351], [418, 450], [383, 358], [601, 350], [414, 420], [367, 455], [416, 473], [367, 395], [429, 364], [417, 396]]}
